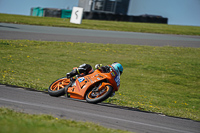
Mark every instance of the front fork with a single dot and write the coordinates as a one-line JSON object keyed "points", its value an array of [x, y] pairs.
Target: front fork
{"points": [[100, 88]]}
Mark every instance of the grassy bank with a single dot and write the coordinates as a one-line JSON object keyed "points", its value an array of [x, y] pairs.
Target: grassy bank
{"points": [[158, 79], [23, 123], [102, 25]]}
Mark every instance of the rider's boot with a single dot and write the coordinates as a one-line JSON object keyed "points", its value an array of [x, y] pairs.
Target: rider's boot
{"points": [[72, 73]]}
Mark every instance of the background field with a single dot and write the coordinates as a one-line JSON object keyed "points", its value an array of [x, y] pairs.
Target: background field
{"points": [[157, 79], [102, 25]]}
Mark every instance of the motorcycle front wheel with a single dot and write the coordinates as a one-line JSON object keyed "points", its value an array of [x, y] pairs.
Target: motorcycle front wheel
{"points": [[57, 88], [94, 96]]}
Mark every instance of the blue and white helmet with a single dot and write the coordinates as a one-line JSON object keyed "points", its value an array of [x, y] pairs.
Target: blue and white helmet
{"points": [[118, 67]]}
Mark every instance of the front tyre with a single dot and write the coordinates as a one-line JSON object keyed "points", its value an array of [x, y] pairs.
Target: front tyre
{"points": [[57, 88], [99, 96]]}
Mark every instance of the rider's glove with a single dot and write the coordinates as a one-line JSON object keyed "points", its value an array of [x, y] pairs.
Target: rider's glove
{"points": [[98, 66]]}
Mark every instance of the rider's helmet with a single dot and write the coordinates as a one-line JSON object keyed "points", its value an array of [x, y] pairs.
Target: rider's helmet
{"points": [[118, 67]]}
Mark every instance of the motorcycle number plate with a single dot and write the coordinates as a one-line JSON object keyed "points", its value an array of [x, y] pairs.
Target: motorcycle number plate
{"points": [[81, 79]]}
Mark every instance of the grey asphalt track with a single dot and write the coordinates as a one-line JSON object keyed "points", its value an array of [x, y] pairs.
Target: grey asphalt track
{"points": [[104, 114], [44, 33]]}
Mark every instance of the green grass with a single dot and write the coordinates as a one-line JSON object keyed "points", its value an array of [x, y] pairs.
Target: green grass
{"points": [[102, 25], [157, 79], [15, 122]]}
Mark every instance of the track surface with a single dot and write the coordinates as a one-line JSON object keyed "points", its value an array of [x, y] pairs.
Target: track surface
{"points": [[44, 33], [104, 114]]}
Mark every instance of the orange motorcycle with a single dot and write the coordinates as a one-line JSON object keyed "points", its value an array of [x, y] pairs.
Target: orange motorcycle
{"points": [[94, 88]]}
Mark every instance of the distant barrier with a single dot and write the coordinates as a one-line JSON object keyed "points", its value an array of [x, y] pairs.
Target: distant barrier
{"points": [[51, 12], [117, 17]]}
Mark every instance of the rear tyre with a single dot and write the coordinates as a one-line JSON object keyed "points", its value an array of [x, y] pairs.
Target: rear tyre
{"points": [[57, 88], [94, 96]]}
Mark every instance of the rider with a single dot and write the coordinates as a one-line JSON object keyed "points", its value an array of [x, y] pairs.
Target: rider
{"points": [[87, 69]]}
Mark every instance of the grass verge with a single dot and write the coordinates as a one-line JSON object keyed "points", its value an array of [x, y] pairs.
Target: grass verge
{"points": [[23, 123], [102, 25], [157, 79]]}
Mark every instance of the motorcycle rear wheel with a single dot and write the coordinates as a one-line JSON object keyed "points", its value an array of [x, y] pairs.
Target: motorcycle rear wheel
{"points": [[57, 88], [107, 91]]}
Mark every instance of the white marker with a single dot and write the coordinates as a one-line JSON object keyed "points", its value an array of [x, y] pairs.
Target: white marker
{"points": [[77, 15]]}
